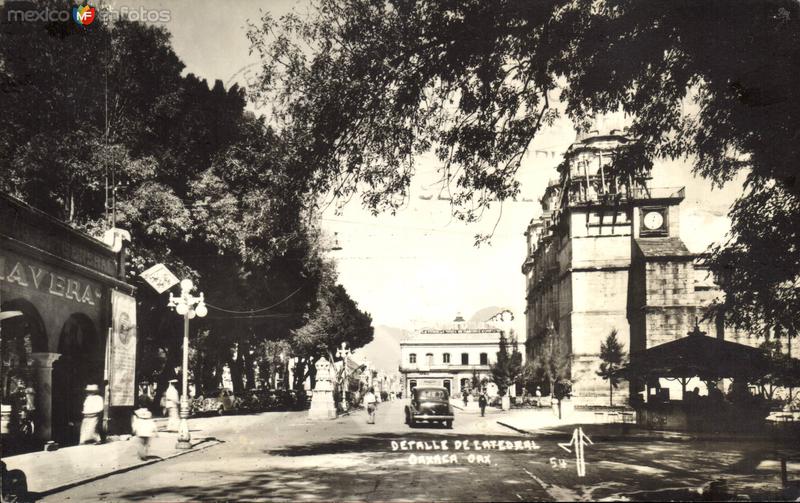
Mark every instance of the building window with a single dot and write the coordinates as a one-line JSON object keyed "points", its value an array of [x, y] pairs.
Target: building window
{"points": [[429, 359], [484, 359], [446, 358], [464, 358], [412, 358]]}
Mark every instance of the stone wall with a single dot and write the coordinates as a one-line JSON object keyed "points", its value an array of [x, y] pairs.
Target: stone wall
{"points": [[671, 306]]}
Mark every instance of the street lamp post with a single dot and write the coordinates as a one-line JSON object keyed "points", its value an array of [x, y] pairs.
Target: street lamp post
{"points": [[187, 306], [344, 353]]}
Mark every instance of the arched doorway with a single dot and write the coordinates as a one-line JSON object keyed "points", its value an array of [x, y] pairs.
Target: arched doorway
{"points": [[20, 336], [81, 363]]}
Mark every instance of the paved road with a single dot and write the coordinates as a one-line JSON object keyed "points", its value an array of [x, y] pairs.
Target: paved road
{"points": [[282, 456]]}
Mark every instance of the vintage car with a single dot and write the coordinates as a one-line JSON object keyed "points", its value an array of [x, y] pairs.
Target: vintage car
{"points": [[429, 404], [221, 402]]}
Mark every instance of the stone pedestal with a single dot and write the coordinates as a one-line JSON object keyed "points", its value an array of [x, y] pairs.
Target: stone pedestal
{"points": [[43, 377], [322, 406]]}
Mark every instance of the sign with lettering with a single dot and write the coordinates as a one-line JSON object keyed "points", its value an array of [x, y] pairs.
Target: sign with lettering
{"points": [[123, 349], [28, 275], [160, 278]]}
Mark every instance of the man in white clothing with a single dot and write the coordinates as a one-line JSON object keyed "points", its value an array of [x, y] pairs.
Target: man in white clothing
{"points": [[92, 410], [173, 403], [371, 402]]}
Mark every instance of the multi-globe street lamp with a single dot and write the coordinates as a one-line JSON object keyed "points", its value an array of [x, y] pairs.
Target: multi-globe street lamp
{"points": [[344, 354], [187, 306]]}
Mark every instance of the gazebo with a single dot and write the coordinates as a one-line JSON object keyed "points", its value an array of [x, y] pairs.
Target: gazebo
{"points": [[710, 359], [697, 355]]}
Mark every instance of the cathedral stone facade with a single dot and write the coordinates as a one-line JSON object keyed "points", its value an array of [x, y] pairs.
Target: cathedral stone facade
{"points": [[606, 254]]}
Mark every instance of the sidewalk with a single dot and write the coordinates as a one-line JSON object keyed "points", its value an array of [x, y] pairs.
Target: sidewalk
{"points": [[597, 426], [472, 407], [52, 471]]}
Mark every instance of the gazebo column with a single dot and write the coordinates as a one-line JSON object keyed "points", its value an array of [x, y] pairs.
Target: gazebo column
{"points": [[684, 381]]}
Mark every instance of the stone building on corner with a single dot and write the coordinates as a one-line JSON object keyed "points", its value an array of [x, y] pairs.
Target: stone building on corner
{"points": [[606, 254], [74, 323]]}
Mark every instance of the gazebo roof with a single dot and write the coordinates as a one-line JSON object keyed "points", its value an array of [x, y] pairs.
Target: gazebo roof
{"points": [[697, 356]]}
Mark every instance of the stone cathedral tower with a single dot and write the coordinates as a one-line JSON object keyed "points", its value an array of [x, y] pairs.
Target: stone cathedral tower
{"points": [[606, 254]]}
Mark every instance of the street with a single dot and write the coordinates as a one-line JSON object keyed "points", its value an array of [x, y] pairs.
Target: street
{"points": [[282, 456]]}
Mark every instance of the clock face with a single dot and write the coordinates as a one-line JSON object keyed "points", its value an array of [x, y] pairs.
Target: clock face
{"points": [[653, 220]]}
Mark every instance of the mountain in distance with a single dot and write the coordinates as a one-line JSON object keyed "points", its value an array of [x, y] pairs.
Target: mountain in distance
{"points": [[384, 350], [485, 313]]}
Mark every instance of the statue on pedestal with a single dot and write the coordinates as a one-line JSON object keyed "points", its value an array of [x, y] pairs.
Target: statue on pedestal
{"points": [[322, 406]]}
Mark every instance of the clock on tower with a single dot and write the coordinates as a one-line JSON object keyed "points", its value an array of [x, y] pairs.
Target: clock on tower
{"points": [[654, 222]]}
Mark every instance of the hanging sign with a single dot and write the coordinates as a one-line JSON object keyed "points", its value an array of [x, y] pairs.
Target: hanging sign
{"points": [[160, 278], [123, 349]]}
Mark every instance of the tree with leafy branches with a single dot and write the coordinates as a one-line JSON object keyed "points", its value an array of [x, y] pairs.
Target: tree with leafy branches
{"points": [[508, 366], [553, 361], [784, 371], [202, 185], [612, 356]]}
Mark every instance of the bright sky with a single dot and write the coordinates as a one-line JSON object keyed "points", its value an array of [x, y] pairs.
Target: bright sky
{"points": [[421, 265]]}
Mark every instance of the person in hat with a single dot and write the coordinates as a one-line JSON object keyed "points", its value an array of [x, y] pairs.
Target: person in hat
{"points": [[173, 403], [144, 428], [482, 401], [92, 411]]}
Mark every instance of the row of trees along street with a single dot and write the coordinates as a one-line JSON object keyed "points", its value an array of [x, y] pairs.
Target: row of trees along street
{"points": [[203, 186]]}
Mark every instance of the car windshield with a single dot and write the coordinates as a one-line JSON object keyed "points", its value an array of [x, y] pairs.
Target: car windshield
{"points": [[432, 394]]}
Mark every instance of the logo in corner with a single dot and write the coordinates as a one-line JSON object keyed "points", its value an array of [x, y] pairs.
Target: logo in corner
{"points": [[83, 15]]}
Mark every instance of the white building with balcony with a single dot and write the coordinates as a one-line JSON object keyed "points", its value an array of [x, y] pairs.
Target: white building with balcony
{"points": [[453, 355]]}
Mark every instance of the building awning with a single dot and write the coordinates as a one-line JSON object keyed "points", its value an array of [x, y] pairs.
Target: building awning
{"points": [[697, 356]]}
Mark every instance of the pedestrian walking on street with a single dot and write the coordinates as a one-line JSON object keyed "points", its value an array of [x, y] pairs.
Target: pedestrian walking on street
{"points": [[371, 402], [173, 400], [92, 410], [465, 394], [144, 428], [482, 403]]}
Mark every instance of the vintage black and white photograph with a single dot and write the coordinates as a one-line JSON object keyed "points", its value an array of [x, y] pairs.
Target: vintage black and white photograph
{"points": [[399, 250]]}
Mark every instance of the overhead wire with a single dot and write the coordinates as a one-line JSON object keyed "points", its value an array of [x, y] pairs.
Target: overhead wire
{"points": [[254, 311]]}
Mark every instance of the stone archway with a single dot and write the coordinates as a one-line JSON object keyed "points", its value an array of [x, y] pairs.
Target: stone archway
{"points": [[81, 363], [21, 337]]}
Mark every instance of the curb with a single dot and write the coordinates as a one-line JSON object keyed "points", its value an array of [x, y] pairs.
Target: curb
{"points": [[209, 442], [518, 430], [675, 437], [629, 438], [623, 437]]}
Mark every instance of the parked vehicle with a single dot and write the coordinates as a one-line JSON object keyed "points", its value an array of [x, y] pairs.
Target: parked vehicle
{"points": [[223, 402], [261, 400], [429, 404]]}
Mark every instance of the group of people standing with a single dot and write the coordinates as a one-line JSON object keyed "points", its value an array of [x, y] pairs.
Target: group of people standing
{"points": [[142, 424]]}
